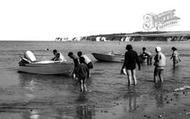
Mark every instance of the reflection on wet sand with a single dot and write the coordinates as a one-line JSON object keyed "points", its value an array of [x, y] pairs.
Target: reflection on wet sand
{"points": [[34, 106], [28, 84], [48, 79], [85, 112], [175, 72], [83, 109], [33, 110], [82, 98], [45, 85], [131, 98], [159, 98]]}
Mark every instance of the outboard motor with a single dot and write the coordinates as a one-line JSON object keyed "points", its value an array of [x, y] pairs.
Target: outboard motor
{"points": [[28, 58], [29, 55]]}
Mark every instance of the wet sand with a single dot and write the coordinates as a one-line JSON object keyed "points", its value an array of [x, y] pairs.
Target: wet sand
{"points": [[29, 96]]}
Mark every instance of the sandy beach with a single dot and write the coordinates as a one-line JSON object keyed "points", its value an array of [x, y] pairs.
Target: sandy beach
{"points": [[30, 96]]}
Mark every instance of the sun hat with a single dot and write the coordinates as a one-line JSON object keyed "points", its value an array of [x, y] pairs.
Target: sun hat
{"points": [[158, 48]]}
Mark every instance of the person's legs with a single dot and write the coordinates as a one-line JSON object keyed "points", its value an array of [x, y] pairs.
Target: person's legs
{"points": [[155, 74], [90, 66], [134, 77], [73, 74], [174, 62], [81, 85], [160, 74], [88, 73], [148, 60], [129, 75], [84, 85]]}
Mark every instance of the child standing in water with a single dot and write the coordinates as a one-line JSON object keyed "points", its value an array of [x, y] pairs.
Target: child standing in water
{"points": [[175, 56], [82, 74]]}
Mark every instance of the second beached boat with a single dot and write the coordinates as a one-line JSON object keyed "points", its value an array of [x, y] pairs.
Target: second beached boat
{"points": [[109, 57]]}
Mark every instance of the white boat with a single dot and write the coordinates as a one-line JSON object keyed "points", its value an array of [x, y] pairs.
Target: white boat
{"points": [[109, 57], [29, 64], [47, 67]]}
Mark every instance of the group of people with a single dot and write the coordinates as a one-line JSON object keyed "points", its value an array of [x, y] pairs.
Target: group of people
{"points": [[82, 66], [132, 58]]}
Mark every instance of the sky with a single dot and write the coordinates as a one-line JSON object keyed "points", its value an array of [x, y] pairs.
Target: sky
{"points": [[48, 19]]}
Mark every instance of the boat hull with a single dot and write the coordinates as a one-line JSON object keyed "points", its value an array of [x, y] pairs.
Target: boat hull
{"points": [[47, 68], [108, 57]]}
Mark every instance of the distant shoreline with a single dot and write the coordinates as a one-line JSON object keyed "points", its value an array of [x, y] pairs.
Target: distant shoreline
{"points": [[135, 36]]}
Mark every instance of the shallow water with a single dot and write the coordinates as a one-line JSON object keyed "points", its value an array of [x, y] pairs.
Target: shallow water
{"points": [[30, 96]]}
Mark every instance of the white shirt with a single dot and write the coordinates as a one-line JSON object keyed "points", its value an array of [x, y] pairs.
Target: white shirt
{"points": [[87, 59], [62, 58], [161, 59]]}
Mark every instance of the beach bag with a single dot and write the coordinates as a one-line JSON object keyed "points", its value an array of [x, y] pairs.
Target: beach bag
{"points": [[123, 71]]}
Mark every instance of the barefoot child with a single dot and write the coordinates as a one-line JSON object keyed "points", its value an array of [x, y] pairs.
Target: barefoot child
{"points": [[82, 74], [87, 61]]}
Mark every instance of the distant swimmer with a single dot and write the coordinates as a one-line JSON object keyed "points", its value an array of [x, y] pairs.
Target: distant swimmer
{"points": [[175, 56], [146, 56], [58, 56], [130, 61], [87, 61], [159, 63]]}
